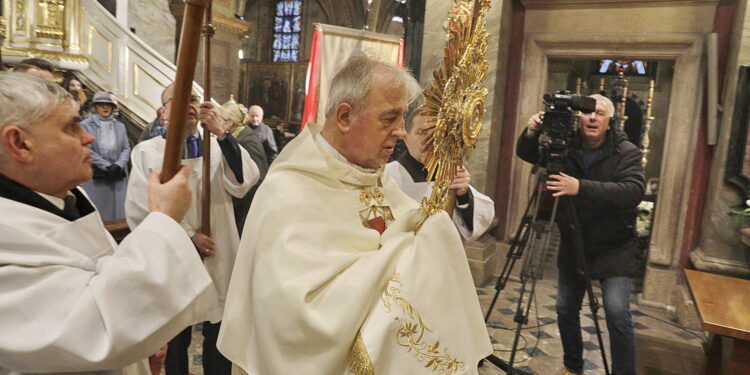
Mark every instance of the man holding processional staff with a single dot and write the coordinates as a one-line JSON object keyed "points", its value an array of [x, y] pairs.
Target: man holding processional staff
{"points": [[220, 169], [232, 174], [72, 300]]}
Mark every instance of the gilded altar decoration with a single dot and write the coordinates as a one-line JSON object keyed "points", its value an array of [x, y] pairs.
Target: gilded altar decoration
{"points": [[454, 102], [621, 88], [646, 141], [20, 15], [411, 332], [50, 21]]}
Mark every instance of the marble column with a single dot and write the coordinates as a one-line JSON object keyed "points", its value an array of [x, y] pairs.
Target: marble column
{"points": [[721, 249]]}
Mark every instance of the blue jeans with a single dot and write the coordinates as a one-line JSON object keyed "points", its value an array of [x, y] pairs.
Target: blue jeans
{"points": [[616, 292]]}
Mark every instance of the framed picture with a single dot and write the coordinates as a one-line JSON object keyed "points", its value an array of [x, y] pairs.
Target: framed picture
{"points": [[267, 85], [279, 88], [738, 158]]}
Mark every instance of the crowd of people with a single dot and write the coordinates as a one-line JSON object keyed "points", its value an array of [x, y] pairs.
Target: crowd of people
{"points": [[111, 148], [317, 258]]}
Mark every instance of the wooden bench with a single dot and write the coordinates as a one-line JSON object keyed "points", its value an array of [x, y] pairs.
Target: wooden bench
{"points": [[724, 306], [118, 229]]}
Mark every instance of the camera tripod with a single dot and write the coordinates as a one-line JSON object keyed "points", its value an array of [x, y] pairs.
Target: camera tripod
{"points": [[532, 238]]}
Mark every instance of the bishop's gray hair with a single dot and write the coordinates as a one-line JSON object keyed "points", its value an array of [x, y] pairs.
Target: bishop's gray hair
{"points": [[353, 82], [26, 100], [609, 108]]}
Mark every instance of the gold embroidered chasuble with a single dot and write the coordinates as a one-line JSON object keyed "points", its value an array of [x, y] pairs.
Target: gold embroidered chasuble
{"points": [[316, 291]]}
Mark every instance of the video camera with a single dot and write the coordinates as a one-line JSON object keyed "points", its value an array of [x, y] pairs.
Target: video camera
{"points": [[558, 126]]}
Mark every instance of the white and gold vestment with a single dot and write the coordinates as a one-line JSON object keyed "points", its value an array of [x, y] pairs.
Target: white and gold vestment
{"points": [[316, 291]]}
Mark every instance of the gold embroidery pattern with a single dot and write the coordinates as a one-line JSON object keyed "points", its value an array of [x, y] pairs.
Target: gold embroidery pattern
{"points": [[372, 198], [359, 359], [412, 330], [370, 193]]}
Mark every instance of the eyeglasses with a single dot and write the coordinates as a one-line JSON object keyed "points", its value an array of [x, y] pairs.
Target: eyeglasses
{"points": [[194, 99]]}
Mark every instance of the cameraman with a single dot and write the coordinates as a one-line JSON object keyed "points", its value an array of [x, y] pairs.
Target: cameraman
{"points": [[604, 177]]}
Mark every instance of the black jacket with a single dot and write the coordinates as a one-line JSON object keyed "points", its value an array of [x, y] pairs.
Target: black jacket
{"points": [[606, 204], [252, 143]]}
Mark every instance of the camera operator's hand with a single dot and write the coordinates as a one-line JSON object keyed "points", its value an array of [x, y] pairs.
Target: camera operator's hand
{"points": [[563, 184], [534, 123]]}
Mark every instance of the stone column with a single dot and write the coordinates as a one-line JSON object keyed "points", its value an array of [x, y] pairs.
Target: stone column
{"points": [[225, 46], [721, 249]]}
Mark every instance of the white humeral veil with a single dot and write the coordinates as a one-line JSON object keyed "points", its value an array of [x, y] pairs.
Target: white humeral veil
{"points": [[311, 282]]}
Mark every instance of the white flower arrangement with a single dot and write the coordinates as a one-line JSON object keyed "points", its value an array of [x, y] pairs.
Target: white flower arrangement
{"points": [[643, 222]]}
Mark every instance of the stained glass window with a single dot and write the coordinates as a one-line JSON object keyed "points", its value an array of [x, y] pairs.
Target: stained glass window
{"points": [[287, 26], [628, 67]]}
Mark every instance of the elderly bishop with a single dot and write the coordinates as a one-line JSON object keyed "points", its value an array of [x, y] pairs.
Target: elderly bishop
{"points": [[335, 275]]}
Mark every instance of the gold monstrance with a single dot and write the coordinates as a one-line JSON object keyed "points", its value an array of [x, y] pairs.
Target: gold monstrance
{"points": [[454, 103]]}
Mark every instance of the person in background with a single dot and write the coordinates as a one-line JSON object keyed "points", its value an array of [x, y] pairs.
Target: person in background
{"points": [[473, 212], [155, 128], [280, 135], [75, 88], [232, 173], [118, 115], [246, 137], [36, 67], [603, 177], [111, 152], [264, 132]]}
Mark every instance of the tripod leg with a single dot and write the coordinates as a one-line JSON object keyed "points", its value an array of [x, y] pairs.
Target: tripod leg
{"points": [[521, 319], [514, 253], [520, 241], [533, 270]]}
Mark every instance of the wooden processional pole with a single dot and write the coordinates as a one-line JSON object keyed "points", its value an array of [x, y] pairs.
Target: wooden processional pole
{"points": [[208, 33], [183, 85]]}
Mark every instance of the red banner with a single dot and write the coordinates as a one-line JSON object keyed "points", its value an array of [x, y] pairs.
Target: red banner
{"points": [[313, 80]]}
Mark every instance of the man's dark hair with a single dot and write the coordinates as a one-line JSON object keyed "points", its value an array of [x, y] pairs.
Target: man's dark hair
{"points": [[38, 63], [413, 111], [23, 68]]}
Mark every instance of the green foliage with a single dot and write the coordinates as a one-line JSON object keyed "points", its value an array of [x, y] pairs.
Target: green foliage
{"points": [[741, 213]]}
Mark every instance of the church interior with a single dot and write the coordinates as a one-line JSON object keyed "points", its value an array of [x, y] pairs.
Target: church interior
{"points": [[677, 70]]}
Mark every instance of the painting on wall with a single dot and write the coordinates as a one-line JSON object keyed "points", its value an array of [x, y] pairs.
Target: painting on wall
{"points": [[299, 77], [267, 86], [279, 88], [738, 157]]}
